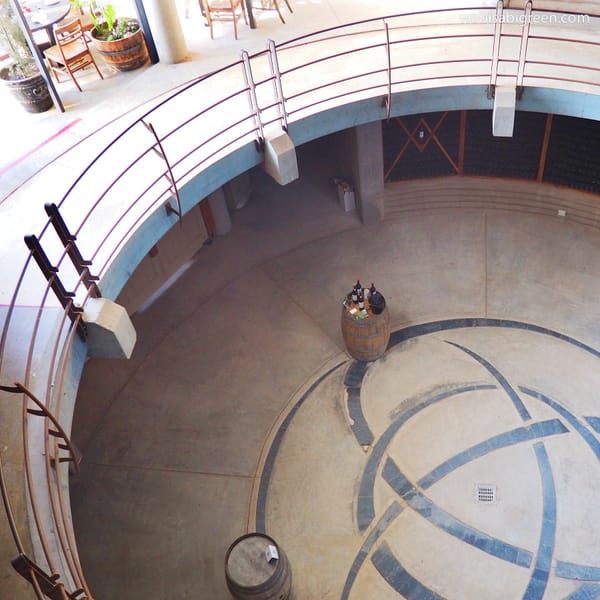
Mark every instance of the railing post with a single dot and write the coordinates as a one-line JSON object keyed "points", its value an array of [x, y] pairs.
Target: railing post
{"points": [[169, 174], [496, 49], [523, 47], [48, 585], [277, 85], [68, 241], [50, 272], [252, 99], [388, 98], [42, 411]]}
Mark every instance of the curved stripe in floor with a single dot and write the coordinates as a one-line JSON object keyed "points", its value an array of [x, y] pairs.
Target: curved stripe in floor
{"points": [[365, 508], [440, 518], [267, 470], [382, 558]]}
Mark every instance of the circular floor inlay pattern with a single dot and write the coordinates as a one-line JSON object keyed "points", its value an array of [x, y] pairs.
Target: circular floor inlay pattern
{"points": [[451, 406]]}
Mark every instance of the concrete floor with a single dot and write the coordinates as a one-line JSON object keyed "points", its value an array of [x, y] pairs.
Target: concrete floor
{"points": [[241, 411]]}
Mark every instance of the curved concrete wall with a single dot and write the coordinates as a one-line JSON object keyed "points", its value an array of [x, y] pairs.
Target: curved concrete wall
{"points": [[324, 123]]}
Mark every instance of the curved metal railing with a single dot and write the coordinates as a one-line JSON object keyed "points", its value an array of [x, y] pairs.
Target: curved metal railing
{"points": [[165, 147]]}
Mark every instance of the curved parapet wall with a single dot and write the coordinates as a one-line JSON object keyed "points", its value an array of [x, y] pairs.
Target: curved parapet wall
{"points": [[207, 132]]}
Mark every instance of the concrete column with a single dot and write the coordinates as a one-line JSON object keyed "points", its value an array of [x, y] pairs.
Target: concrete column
{"points": [[238, 191], [369, 171], [360, 156], [220, 212], [166, 30]]}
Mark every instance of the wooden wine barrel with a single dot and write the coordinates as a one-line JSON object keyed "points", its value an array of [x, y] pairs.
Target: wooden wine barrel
{"points": [[251, 575], [366, 339], [125, 54]]}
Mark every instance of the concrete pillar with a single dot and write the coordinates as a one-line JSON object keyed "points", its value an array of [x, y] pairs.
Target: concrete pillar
{"points": [[503, 117], [166, 30], [110, 331], [280, 159], [238, 191], [220, 212], [360, 158]]}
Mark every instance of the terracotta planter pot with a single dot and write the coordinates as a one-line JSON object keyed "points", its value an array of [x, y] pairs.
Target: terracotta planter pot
{"points": [[125, 54], [31, 92]]}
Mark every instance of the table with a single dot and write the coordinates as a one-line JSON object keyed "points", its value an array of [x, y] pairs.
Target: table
{"points": [[43, 14]]}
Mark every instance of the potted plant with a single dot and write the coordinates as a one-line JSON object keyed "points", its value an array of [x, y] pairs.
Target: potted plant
{"points": [[119, 40], [21, 75]]}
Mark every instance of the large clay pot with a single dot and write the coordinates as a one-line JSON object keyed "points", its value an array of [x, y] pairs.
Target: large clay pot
{"points": [[125, 54], [31, 92]]}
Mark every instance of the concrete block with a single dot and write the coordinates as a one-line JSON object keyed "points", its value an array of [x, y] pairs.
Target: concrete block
{"points": [[110, 331], [280, 159], [503, 117]]}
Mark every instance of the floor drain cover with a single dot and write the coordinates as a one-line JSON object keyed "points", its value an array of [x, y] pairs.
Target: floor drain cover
{"points": [[486, 494]]}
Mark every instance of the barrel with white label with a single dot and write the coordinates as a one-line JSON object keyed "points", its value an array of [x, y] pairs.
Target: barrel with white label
{"points": [[256, 568]]}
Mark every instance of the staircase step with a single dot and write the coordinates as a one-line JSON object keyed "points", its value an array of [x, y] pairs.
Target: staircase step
{"points": [[491, 193]]}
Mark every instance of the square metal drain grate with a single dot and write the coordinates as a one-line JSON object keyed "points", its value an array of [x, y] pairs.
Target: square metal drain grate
{"points": [[486, 494]]}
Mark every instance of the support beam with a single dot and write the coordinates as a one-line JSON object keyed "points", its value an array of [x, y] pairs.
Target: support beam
{"points": [[220, 212], [360, 157]]}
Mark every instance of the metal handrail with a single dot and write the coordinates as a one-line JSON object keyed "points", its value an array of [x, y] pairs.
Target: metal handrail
{"points": [[238, 115]]}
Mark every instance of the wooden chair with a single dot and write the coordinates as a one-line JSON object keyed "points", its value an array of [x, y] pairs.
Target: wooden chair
{"points": [[274, 5], [81, 14], [71, 52], [225, 10]]}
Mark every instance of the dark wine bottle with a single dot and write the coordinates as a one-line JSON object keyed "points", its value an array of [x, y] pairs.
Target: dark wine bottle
{"points": [[361, 299], [371, 290], [354, 295], [358, 286]]}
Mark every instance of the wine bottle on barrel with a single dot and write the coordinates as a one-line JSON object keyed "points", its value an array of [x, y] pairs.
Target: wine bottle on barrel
{"points": [[372, 290], [359, 287], [361, 299], [354, 295]]}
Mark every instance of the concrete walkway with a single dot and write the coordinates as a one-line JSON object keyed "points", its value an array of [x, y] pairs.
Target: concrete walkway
{"points": [[241, 411]]}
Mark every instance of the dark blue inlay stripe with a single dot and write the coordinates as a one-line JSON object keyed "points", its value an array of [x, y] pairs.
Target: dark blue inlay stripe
{"points": [[568, 570], [499, 378], [390, 514], [516, 436], [585, 592], [356, 373], [594, 423], [399, 578], [265, 477], [584, 432], [360, 427], [539, 578], [440, 518], [365, 508], [435, 326]]}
